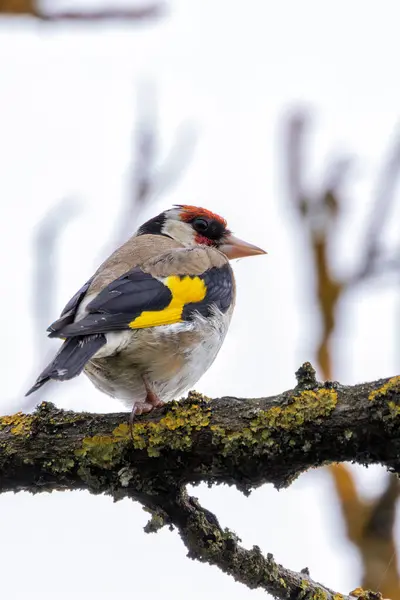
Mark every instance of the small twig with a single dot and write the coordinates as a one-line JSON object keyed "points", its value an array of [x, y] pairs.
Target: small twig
{"points": [[147, 178], [379, 549], [46, 242], [144, 13], [30, 7], [45, 278], [295, 153], [373, 259], [178, 159]]}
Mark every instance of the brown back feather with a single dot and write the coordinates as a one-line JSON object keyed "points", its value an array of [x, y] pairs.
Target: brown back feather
{"points": [[158, 255]]}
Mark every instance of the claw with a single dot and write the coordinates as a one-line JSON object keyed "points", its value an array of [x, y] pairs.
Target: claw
{"points": [[131, 418], [152, 401]]}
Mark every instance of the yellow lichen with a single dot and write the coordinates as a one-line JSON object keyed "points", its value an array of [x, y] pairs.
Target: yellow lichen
{"points": [[338, 597], [172, 432], [319, 594], [385, 392], [357, 593], [122, 431], [20, 423], [393, 385], [304, 589], [307, 406], [101, 449], [362, 594]]}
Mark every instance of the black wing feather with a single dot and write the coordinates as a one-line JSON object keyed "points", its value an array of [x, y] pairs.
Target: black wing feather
{"points": [[219, 285], [70, 359], [119, 303], [68, 313], [123, 300], [131, 294]]}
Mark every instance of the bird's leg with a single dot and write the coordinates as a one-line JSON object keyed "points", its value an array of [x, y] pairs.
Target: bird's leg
{"points": [[152, 401], [151, 397]]}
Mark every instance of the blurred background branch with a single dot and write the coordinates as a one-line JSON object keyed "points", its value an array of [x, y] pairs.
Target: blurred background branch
{"points": [[369, 525], [150, 175], [32, 8], [45, 277], [148, 178]]}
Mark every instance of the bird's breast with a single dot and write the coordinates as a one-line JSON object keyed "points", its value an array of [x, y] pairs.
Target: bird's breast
{"points": [[171, 357]]}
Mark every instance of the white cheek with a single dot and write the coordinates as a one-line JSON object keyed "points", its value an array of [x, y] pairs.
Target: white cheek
{"points": [[182, 232]]}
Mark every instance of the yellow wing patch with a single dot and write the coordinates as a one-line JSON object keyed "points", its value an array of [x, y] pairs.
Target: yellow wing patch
{"points": [[184, 291]]}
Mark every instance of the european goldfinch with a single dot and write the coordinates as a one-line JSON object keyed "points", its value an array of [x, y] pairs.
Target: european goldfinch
{"points": [[152, 319]]}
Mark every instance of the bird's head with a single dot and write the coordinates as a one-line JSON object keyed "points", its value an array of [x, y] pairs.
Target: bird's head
{"points": [[194, 226]]}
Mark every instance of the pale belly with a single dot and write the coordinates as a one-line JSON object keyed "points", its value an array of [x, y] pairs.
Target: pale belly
{"points": [[171, 359]]}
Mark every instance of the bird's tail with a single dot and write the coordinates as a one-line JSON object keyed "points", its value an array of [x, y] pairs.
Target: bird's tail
{"points": [[70, 359]]}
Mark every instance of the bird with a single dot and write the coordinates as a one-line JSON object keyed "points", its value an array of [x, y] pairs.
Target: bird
{"points": [[152, 319]]}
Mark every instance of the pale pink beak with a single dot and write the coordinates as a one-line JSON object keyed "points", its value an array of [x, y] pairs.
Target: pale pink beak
{"points": [[236, 248]]}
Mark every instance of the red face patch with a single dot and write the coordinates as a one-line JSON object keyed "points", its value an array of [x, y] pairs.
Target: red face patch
{"points": [[202, 240], [191, 212]]}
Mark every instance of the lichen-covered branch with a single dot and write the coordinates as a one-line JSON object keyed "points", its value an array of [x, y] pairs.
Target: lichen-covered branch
{"points": [[241, 442], [208, 542]]}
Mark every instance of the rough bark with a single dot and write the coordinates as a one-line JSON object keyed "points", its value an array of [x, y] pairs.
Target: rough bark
{"points": [[241, 442]]}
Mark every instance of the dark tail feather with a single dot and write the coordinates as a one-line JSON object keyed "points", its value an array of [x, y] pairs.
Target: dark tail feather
{"points": [[70, 360]]}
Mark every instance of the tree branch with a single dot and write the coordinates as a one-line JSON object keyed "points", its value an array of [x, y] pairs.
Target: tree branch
{"points": [[241, 442], [207, 542]]}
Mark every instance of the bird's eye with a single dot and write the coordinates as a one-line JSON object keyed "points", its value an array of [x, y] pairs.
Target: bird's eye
{"points": [[200, 225]]}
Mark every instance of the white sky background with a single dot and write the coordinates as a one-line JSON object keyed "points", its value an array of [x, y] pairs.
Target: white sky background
{"points": [[233, 69]]}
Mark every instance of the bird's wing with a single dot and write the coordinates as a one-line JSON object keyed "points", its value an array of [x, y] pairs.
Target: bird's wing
{"points": [[69, 312], [139, 299]]}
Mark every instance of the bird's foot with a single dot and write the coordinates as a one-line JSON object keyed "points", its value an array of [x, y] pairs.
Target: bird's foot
{"points": [[142, 408], [151, 402], [151, 397]]}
